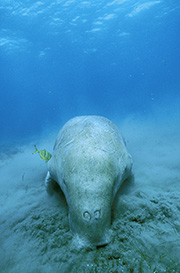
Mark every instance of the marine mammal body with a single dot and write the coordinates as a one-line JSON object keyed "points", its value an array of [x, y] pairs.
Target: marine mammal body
{"points": [[89, 162]]}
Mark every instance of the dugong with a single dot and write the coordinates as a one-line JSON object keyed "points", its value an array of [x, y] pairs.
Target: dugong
{"points": [[89, 162]]}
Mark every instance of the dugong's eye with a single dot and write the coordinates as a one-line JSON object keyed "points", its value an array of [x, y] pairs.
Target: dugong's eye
{"points": [[64, 182]]}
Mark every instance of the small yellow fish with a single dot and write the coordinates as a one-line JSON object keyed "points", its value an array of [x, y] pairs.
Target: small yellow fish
{"points": [[43, 154]]}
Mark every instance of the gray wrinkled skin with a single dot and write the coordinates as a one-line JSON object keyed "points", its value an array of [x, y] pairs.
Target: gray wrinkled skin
{"points": [[90, 161]]}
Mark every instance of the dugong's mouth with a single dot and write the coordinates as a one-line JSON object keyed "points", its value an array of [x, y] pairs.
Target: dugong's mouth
{"points": [[105, 240], [86, 242]]}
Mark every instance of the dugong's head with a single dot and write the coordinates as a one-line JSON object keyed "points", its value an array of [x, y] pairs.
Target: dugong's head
{"points": [[90, 210]]}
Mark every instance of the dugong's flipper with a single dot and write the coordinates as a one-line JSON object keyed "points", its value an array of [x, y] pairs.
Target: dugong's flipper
{"points": [[50, 184]]}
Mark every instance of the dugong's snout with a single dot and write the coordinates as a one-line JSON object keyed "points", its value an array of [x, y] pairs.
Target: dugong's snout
{"points": [[92, 226], [94, 216]]}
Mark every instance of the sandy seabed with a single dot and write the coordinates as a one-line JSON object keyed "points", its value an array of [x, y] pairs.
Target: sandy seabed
{"points": [[34, 228]]}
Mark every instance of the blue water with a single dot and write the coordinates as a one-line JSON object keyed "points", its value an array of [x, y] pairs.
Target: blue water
{"points": [[116, 58], [60, 59]]}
